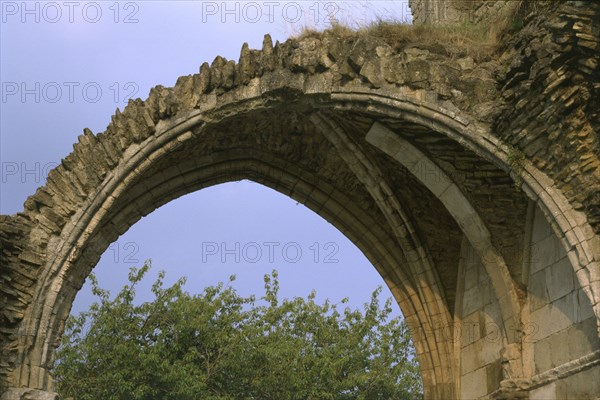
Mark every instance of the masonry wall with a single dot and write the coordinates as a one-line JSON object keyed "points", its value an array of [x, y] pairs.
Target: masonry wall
{"points": [[456, 11], [562, 326], [481, 327]]}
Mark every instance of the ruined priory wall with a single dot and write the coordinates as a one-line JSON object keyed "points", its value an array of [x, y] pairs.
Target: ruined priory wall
{"points": [[452, 11]]}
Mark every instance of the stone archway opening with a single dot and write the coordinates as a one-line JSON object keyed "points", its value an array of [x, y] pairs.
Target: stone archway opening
{"points": [[335, 280], [238, 228], [191, 157]]}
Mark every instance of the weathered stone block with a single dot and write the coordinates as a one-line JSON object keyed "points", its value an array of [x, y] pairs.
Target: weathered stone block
{"points": [[546, 392], [559, 279], [585, 308], [538, 291], [582, 385], [553, 318], [542, 355], [474, 384], [582, 339], [472, 300]]}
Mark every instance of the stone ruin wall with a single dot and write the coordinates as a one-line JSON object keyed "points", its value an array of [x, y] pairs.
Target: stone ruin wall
{"points": [[544, 87], [472, 11]]}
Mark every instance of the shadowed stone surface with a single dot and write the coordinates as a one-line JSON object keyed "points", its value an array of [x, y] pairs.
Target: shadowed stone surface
{"points": [[472, 188]]}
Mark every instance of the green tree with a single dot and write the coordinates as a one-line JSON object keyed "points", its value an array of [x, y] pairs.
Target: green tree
{"points": [[220, 345]]}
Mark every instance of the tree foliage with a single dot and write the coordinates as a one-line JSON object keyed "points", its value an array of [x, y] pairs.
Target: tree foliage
{"points": [[220, 345]]}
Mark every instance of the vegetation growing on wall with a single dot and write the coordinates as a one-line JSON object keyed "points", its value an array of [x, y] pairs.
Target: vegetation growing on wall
{"points": [[479, 40], [516, 162]]}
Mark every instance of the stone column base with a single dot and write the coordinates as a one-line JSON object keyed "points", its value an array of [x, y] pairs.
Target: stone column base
{"points": [[28, 394]]}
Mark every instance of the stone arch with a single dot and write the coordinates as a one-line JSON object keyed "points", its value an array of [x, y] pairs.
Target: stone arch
{"points": [[73, 257], [294, 118]]}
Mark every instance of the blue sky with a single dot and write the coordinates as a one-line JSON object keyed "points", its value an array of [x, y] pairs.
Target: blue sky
{"points": [[66, 66]]}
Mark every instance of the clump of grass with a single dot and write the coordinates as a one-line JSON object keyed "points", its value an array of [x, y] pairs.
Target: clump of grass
{"points": [[477, 40], [455, 40]]}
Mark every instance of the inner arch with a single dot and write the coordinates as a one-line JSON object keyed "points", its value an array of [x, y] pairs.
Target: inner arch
{"points": [[278, 145], [375, 242]]}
